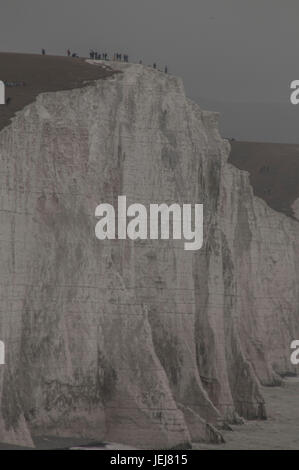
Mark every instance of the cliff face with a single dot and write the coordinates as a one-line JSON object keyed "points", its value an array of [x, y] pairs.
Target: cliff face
{"points": [[137, 342]]}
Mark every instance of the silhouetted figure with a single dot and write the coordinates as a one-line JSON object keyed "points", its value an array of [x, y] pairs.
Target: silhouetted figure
{"points": [[264, 169], [140, 62], [267, 191], [91, 54], [68, 52], [43, 51], [166, 69], [154, 65]]}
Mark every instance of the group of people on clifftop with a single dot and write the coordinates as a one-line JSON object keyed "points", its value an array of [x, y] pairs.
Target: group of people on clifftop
{"points": [[117, 57], [94, 55]]}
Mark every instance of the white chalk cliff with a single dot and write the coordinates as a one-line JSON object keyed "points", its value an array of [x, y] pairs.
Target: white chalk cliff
{"points": [[140, 342]]}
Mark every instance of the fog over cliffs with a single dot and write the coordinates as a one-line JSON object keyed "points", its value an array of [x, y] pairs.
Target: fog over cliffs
{"points": [[138, 342]]}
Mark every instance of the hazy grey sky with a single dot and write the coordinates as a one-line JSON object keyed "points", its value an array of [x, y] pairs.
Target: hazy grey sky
{"points": [[227, 51]]}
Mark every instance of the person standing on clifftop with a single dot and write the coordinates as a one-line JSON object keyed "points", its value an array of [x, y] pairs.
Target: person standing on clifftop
{"points": [[43, 51], [68, 52]]}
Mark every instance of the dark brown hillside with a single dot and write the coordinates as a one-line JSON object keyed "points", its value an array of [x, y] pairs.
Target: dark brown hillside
{"points": [[41, 74], [274, 171]]}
